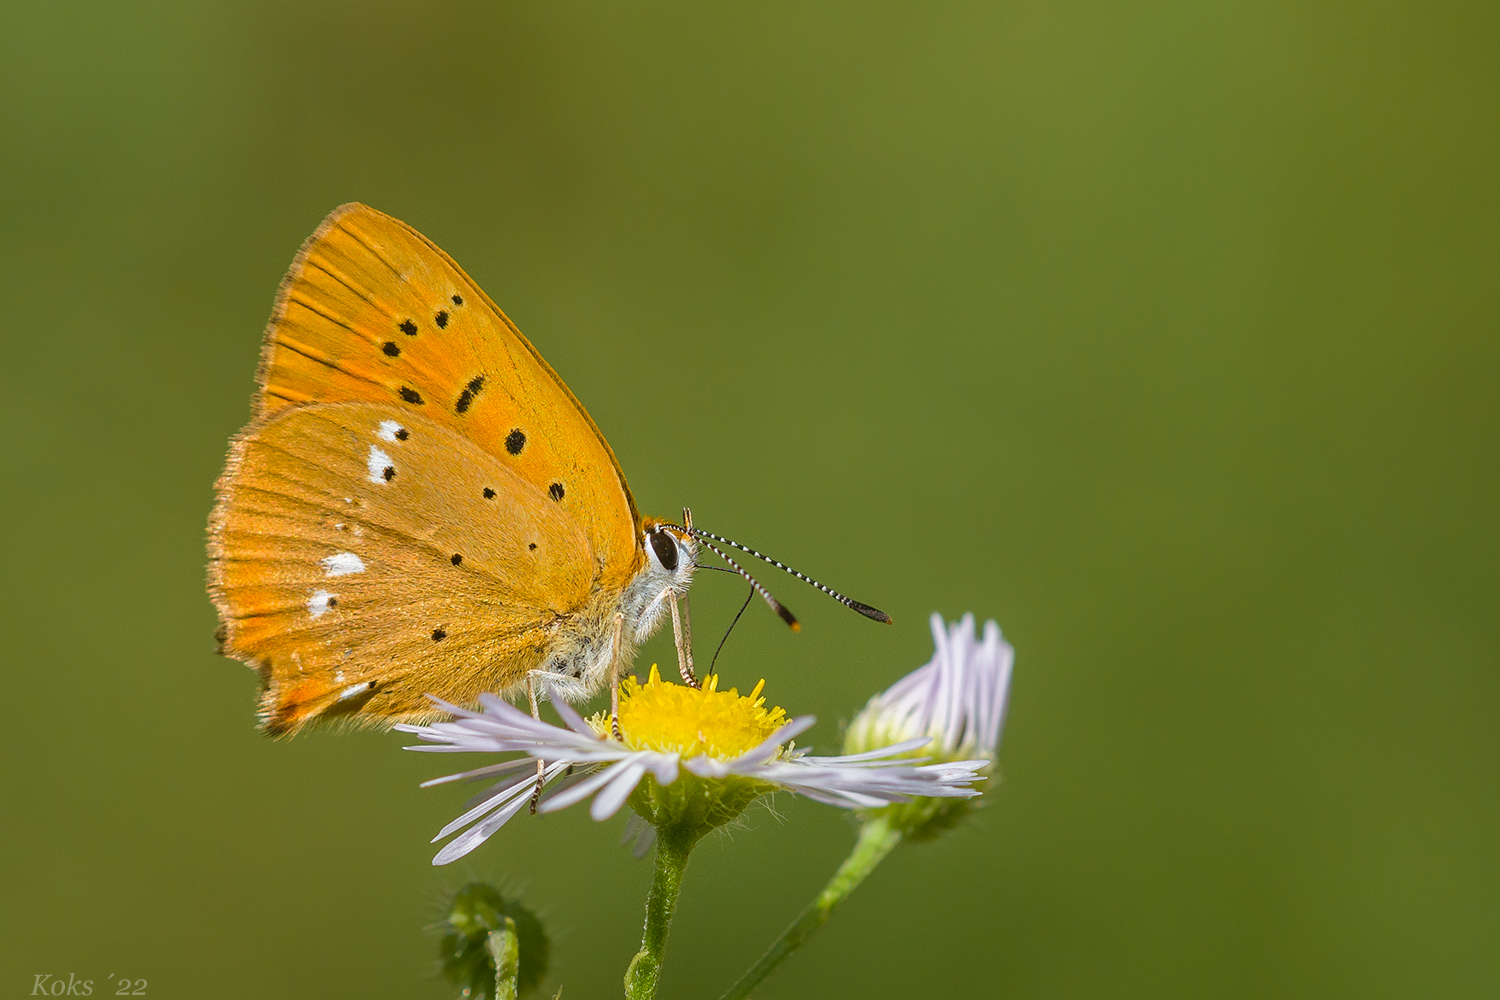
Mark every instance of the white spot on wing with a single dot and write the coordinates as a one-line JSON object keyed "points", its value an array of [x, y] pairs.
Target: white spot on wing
{"points": [[388, 429], [353, 690], [317, 604], [343, 563], [379, 461]]}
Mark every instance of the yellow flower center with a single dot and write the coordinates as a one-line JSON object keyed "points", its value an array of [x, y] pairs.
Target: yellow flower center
{"points": [[674, 718]]}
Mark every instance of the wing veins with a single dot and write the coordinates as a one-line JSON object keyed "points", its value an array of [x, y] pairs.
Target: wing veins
{"points": [[373, 252], [306, 352], [312, 308], [341, 280]]}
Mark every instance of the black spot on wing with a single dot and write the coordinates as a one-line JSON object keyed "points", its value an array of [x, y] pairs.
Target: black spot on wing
{"points": [[457, 559], [470, 391], [441, 319], [515, 441], [438, 635], [409, 328], [489, 494], [391, 349], [557, 491], [458, 300], [389, 473], [411, 395], [402, 434]]}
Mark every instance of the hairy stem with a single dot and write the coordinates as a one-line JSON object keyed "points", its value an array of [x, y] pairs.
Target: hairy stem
{"points": [[504, 948], [876, 839], [645, 969]]}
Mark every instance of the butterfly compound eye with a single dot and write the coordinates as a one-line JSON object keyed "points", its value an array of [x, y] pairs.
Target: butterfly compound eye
{"points": [[665, 547]]}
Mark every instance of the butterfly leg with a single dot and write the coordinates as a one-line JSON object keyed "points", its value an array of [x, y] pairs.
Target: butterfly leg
{"points": [[682, 632], [541, 766], [682, 629], [614, 678]]}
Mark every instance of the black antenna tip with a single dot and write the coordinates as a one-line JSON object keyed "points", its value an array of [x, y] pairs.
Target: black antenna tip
{"points": [[870, 612], [789, 618]]}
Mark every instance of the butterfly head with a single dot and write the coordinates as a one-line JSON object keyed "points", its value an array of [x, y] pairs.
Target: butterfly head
{"points": [[670, 549], [671, 555]]}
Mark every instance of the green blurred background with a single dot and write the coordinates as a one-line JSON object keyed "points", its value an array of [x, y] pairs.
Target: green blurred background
{"points": [[1165, 334]]}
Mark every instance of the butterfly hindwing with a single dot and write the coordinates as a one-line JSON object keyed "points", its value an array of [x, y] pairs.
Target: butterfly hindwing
{"points": [[363, 556], [373, 311]]}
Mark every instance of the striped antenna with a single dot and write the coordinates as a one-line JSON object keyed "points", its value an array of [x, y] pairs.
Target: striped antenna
{"points": [[776, 605], [873, 613]]}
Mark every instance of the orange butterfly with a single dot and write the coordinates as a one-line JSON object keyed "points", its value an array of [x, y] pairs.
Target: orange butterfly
{"points": [[419, 505]]}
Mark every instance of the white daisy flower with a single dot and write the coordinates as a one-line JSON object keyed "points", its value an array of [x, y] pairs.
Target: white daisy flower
{"points": [[689, 760], [957, 700]]}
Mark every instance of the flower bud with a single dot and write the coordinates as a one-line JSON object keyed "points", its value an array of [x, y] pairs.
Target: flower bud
{"points": [[957, 702], [476, 910]]}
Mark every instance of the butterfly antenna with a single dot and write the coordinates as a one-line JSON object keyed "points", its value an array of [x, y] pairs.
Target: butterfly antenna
{"points": [[776, 605], [748, 598], [864, 609]]}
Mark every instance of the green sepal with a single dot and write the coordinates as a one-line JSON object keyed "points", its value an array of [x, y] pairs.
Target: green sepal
{"points": [[691, 806], [922, 819]]}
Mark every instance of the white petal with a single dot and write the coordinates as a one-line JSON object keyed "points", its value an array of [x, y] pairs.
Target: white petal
{"points": [[503, 794], [470, 839], [894, 750], [663, 767], [480, 772], [574, 721], [644, 841], [588, 786], [609, 801]]}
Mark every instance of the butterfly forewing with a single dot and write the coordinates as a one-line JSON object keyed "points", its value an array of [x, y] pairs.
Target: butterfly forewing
{"points": [[372, 311], [362, 557]]}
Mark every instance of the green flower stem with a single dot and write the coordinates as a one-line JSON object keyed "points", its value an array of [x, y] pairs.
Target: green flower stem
{"points": [[505, 949], [876, 839], [671, 860]]}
